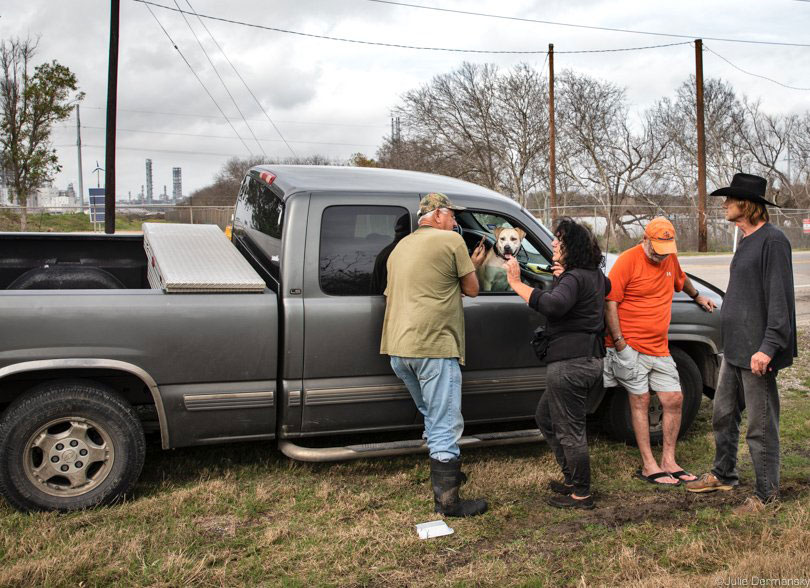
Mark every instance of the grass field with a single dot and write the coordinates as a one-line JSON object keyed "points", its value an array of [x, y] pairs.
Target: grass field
{"points": [[58, 223], [244, 515]]}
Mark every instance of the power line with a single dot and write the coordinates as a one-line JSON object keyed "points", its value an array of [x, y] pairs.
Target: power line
{"points": [[150, 150], [621, 49], [198, 77], [224, 85], [205, 136], [236, 71], [192, 115], [755, 75], [400, 46], [583, 26], [204, 153]]}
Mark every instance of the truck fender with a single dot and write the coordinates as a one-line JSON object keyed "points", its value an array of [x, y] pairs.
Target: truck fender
{"points": [[106, 364]]}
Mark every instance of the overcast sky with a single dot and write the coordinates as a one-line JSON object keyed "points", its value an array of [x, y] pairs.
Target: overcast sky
{"points": [[334, 98]]}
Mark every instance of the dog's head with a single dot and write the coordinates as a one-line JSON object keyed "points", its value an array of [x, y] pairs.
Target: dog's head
{"points": [[508, 241]]}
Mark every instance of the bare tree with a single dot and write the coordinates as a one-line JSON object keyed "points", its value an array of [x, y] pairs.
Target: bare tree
{"points": [[600, 154], [521, 124], [477, 123], [766, 138], [29, 106], [725, 151]]}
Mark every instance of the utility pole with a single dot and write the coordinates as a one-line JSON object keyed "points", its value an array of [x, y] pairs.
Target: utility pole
{"points": [[552, 137], [79, 150], [701, 148], [112, 107]]}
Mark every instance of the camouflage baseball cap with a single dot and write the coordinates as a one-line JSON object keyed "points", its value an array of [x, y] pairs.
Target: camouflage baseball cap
{"points": [[434, 200]]}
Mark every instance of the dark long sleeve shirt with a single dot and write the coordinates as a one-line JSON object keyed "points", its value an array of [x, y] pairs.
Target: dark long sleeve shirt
{"points": [[574, 309], [759, 309]]}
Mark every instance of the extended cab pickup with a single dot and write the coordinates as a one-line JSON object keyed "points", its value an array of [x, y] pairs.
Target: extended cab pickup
{"points": [[91, 356]]}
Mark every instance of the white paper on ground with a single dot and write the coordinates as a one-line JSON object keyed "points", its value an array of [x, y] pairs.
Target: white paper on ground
{"points": [[433, 529]]}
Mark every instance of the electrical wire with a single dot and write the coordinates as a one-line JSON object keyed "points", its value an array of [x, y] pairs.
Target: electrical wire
{"points": [[206, 136], [400, 46], [755, 75], [221, 81], [290, 122], [236, 71], [151, 150], [591, 27], [183, 57]]}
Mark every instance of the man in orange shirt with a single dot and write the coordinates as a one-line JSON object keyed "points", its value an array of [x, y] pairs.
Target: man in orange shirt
{"points": [[638, 312]]}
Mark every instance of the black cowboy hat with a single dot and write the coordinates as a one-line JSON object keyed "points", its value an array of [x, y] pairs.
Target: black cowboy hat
{"points": [[746, 187]]}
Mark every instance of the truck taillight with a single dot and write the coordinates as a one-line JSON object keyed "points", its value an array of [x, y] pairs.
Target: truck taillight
{"points": [[267, 178]]}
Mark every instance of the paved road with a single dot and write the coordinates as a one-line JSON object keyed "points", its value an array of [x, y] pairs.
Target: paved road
{"points": [[714, 269]]}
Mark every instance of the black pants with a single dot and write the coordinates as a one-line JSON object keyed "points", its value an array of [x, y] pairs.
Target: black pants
{"points": [[561, 415], [738, 389]]}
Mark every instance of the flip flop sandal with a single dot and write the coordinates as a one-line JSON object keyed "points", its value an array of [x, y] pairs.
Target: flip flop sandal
{"points": [[652, 479], [680, 474]]}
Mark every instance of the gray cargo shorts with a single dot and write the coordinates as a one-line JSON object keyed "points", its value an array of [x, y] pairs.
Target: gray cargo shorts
{"points": [[638, 373]]}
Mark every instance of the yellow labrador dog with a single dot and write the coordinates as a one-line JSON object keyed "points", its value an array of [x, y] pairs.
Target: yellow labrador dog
{"points": [[492, 273]]}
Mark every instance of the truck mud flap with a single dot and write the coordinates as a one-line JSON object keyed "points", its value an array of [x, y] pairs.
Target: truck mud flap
{"points": [[366, 450]]}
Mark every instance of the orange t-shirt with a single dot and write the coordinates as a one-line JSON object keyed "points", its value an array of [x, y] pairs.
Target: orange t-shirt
{"points": [[644, 292]]}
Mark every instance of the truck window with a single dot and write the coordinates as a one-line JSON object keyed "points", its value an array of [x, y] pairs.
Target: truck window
{"points": [[355, 244], [492, 275], [259, 218]]}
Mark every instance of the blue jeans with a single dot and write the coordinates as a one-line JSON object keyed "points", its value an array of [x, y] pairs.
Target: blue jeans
{"points": [[435, 386]]}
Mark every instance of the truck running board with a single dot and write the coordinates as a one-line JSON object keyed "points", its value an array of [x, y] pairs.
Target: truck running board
{"points": [[365, 450]]}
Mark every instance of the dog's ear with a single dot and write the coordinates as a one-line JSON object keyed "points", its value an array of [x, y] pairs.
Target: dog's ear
{"points": [[521, 233], [498, 232]]}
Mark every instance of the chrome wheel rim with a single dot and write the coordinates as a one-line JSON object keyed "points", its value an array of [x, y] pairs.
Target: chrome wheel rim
{"points": [[68, 456]]}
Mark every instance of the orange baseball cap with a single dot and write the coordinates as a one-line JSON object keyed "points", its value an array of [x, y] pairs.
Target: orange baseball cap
{"points": [[661, 234]]}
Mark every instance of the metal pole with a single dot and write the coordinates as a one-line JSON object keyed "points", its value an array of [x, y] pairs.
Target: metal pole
{"points": [[79, 151], [701, 148], [552, 137], [112, 105]]}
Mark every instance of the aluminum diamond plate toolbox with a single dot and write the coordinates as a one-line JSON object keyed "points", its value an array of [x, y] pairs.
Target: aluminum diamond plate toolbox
{"points": [[196, 258]]}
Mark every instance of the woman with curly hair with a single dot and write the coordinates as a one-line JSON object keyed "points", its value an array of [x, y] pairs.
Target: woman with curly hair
{"points": [[574, 310]]}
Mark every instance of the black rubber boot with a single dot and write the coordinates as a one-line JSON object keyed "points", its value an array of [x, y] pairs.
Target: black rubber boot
{"points": [[446, 478]]}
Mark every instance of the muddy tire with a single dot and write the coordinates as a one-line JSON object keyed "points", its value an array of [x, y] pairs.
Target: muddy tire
{"points": [[67, 446], [616, 419]]}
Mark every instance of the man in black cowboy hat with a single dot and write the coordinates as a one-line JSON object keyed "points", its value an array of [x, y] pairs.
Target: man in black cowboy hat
{"points": [[759, 338]]}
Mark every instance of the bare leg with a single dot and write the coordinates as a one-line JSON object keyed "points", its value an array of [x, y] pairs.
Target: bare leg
{"points": [[639, 412], [672, 402]]}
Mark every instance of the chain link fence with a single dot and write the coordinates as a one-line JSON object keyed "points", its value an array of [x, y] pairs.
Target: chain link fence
{"points": [[128, 217], [626, 232], [631, 221]]}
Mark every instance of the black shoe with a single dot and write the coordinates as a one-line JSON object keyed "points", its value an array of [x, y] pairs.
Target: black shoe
{"points": [[560, 487], [569, 502], [446, 479]]}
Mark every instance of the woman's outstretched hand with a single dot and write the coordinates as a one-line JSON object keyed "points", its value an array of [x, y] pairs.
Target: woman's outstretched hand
{"points": [[512, 270]]}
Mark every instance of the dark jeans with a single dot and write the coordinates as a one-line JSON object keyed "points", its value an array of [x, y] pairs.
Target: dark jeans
{"points": [[738, 389], [561, 416]]}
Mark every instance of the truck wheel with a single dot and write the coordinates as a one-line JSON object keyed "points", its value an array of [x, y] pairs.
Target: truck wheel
{"points": [[616, 420], [69, 445]]}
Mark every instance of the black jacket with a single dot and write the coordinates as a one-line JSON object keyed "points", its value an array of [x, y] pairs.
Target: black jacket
{"points": [[574, 309]]}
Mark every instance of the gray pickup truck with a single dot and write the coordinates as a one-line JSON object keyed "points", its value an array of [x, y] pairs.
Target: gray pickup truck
{"points": [[92, 357]]}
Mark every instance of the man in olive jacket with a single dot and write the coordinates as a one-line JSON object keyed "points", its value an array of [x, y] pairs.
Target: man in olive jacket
{"points": [[423, 332]]}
